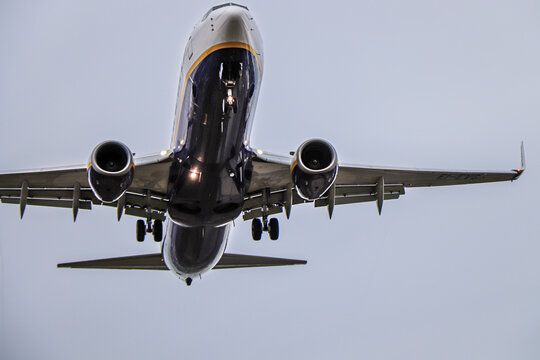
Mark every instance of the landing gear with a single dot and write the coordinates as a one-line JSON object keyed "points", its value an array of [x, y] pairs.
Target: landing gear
{"points": [[258, 226], [273, 229], [156, 229], [230, 73], [229, 102], [256, 229], [141, 230]]}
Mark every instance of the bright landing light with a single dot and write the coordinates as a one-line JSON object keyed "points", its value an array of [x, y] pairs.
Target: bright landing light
{"points": [[193, 174]]}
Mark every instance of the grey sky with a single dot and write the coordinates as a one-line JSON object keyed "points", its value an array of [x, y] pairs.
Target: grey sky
{"points": [[444, 273]]}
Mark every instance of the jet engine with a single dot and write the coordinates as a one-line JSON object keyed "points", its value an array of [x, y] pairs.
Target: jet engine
{"points": [[314, 168], [110, 171]]}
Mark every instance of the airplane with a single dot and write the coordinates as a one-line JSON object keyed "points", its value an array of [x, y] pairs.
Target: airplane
{"points": [[210, 174]]}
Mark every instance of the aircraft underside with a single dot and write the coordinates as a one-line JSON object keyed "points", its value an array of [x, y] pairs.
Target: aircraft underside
{"points": [[210, 175]]}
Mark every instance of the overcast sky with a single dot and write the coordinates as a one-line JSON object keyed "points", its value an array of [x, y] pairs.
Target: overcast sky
{"points": [[444, 273]]}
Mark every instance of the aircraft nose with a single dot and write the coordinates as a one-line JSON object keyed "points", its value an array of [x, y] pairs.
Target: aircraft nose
{"points": [[234, 25]]}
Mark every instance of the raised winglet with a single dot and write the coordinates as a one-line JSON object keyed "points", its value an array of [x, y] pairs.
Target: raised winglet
{"points": [[523, 165]]}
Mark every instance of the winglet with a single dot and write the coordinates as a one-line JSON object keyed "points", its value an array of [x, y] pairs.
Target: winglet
{"points": [[523, 165]]}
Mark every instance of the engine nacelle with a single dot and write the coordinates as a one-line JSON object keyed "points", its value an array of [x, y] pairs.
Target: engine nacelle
{"points": [[314, 168], [110, 171]]}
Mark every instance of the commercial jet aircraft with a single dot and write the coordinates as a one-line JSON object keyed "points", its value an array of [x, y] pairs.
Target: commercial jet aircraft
{"points": [[210, 174]]}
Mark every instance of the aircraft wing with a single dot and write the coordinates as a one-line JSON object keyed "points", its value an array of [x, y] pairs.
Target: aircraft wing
{"points": [[68, 187], [354, 183]]}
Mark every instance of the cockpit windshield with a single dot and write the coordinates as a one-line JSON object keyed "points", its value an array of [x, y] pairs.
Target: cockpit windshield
{"points": [[221, 6]]}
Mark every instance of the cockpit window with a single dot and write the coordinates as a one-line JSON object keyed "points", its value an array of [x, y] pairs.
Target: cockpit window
{"points": [[221, 6]]}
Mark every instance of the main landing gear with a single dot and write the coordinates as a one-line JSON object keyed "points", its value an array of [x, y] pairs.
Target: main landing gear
{"points": [[156, 229], [258, 226]]}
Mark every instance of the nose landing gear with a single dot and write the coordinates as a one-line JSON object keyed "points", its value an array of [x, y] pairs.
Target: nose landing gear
{"points": [[229, 102], [230, 73]]}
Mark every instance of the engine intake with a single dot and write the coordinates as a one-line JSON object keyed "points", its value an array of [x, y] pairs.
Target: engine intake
{"points": [[314, 168], [111, 170]]}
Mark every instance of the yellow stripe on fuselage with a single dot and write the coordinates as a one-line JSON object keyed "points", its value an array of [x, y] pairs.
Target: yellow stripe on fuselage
{"points": [[226, 45]]}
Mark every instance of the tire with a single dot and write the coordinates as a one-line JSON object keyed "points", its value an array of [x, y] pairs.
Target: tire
{"points": [[273, 229], [256, 229], [141, 230], [158, 230]]}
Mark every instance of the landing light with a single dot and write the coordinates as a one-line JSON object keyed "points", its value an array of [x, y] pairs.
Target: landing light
{"points": [[163, 152], [193, 174], [259, 151]]}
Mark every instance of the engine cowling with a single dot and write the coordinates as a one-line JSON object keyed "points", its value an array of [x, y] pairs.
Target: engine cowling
{"points": [[314, 168], [111, 170]]}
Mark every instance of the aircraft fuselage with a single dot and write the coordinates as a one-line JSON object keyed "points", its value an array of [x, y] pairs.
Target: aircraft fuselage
{"points": [[219, 85]]}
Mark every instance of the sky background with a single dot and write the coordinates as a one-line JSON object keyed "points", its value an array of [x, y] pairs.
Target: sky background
{"points": [[444, 273]]}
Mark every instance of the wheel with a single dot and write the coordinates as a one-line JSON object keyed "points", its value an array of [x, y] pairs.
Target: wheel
{"points": [[141, 230], [256, 229], [158, 230], [273, 228]]}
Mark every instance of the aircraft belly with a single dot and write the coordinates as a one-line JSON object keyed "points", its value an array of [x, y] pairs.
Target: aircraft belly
{"points": [[191, 251]]}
